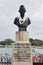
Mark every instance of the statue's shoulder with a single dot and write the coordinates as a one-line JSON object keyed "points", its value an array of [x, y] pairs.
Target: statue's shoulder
{"points": [[28, 20], [16, 18], [16, 21]]}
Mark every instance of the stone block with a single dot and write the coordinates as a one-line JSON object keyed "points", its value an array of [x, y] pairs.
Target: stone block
{"points": [[22, 36]]}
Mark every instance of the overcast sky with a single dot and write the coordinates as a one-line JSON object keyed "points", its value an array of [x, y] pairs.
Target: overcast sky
{"points": [[8, 12]]}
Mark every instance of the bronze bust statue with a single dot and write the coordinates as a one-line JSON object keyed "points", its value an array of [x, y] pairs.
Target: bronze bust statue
{"points": [[21, 21]]}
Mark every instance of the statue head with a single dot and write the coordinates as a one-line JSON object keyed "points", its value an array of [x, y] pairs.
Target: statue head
{"points": [[22, 10]]}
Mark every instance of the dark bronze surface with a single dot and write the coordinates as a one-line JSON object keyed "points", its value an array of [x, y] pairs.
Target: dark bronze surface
{"points": [[22, 27]]}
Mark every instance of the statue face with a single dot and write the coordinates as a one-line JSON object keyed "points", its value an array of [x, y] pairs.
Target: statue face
{"points": [[22, 12], [22, 9]]}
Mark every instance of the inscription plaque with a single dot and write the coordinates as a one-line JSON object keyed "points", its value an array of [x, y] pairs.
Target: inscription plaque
{"points": [[22, 52]]}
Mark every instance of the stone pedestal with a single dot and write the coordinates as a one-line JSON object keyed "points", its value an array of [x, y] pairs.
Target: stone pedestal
{"points": [[22, 36], [22, 53]]}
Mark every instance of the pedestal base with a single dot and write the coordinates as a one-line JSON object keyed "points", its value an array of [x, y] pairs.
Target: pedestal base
{"points": [[22, 63], [22, 53]]}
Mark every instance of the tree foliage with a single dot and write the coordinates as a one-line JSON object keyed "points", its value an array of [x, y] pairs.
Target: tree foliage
{"points": [[36, 42], [6, 42]]}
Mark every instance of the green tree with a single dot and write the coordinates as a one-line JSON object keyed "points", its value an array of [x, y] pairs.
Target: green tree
{"points": [[6, 42], [36, 42]]}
